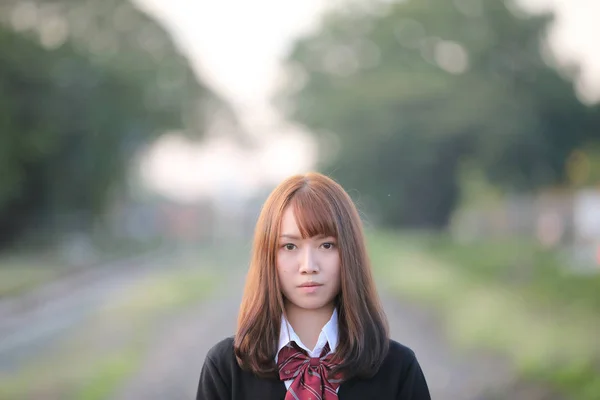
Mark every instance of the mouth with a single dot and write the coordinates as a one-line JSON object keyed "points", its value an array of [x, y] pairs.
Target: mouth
{"points": [[310, 284]]}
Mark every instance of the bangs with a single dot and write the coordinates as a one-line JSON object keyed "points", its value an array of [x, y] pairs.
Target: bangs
{"points": [[313, 214]]}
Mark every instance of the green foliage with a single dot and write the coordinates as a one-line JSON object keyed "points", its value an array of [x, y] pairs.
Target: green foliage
{"points": [[509, 296], [83, 85], [521, 262], [412, 90], [109, 373]]}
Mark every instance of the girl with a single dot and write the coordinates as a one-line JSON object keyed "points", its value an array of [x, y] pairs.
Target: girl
{"points": [[311, 325]]}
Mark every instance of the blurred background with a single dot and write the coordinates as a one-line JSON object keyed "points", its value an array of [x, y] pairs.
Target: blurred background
{"points": [[138, 140]]}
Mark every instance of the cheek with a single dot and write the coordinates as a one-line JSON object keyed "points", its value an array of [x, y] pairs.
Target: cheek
{"points": [[335, 268], [284, 270], [338, 276], [338, 262], [283, 263], [339, 271]]}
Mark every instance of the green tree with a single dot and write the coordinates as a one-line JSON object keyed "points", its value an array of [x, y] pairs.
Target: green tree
{"points": [[413, 88], [82, 86]]}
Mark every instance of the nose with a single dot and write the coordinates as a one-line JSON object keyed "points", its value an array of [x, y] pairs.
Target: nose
{"points": [[309, 264]]}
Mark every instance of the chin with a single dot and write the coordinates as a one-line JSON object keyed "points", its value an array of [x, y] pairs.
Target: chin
{"points": [[312, 304]]}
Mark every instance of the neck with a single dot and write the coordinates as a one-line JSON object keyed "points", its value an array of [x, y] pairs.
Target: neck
{"points": [[308, 323]]}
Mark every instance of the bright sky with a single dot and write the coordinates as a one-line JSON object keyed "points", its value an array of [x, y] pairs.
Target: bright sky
{"points": [[237, 46], [575, 37]]}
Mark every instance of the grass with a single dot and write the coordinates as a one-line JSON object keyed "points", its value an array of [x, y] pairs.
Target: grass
{"points": [[510, 296], [91, 363], [19, 275], [109, 374], [22, 271], [26, 266]]}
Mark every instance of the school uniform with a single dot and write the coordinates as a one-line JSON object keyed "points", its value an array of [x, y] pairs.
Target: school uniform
{"points": [[399, 378]]}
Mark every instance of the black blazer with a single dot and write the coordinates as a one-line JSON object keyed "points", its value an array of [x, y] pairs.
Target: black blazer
{"points": [[399, 378]]}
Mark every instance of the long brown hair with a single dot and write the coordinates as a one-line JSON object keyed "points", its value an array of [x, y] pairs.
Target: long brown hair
{"points": [[321, 206]]}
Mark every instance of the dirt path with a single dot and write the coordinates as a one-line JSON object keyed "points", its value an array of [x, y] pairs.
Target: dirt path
{"points": [[172, 368], [451, 374], [35, 320]]}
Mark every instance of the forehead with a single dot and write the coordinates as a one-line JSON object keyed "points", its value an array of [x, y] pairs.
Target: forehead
{"points": [[289, 225], [307, 221], [288, 222]]}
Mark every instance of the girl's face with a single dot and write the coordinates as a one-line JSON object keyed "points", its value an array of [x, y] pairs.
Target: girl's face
{"points": [[308, 269]]}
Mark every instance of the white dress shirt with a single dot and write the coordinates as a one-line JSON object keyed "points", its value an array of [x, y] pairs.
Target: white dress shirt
{"points": [[329, 334]]}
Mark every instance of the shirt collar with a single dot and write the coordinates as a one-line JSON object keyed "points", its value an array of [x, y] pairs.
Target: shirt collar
{"points": [[329, 334]]}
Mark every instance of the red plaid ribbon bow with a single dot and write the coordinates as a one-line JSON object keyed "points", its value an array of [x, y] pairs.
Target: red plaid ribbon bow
{"points": [[310, 374]]}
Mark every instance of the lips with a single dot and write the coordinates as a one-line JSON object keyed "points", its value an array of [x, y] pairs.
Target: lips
{"points": [[311, 284]]}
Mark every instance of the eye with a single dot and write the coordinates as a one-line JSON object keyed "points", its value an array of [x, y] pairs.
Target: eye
{"points": [[289, 246], [328, 245]]}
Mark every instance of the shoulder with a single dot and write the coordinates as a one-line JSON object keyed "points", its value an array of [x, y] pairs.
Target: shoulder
{"points": [[217, 373], [401, 374], [221, 360], [399, 356], [222, 354], [398, 350]]}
